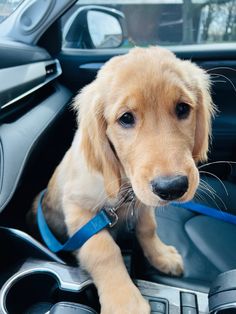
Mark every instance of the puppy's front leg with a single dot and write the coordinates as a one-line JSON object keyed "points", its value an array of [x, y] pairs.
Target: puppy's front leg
{"points": [[163, 257], [102, 258]]}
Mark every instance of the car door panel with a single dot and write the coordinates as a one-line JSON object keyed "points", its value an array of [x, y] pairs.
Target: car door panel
{"points": [[31, 100], [19, 137]]}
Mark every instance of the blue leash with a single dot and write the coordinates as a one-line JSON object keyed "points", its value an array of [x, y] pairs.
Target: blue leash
{"points": [[207, 211], [105, 218], [108, 217]]}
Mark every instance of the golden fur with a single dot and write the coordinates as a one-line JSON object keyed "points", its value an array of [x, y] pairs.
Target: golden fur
{"points": [[148, 82]]}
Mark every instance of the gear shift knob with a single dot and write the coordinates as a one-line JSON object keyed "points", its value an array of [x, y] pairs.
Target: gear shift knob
{"points": [[222, 294]]}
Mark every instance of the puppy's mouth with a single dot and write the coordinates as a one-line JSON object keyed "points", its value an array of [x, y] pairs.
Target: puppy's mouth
{"points": [[126, 195]]}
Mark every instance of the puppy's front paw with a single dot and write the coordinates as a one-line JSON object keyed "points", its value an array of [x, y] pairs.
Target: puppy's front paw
{"points": [[124, 300], [168, 261]]}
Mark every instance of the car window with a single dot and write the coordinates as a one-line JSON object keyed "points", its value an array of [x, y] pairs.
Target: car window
{"points": [[163, 22], [7, 7]]}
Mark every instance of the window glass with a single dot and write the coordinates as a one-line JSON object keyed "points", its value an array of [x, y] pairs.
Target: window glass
{"points": [[7, 7], [163, 22]]}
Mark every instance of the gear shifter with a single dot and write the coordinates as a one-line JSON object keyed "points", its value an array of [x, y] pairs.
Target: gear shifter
{"points": [[71, 308], [222, 294]]}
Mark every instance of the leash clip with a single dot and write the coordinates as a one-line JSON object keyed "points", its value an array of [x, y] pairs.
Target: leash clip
{"points": [[110, 211]]}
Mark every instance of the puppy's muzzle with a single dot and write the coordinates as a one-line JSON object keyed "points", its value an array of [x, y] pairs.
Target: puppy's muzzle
{"points": [[170, 188]]}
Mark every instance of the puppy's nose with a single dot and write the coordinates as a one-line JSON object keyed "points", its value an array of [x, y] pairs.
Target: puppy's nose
{"points": [[170, 188]]}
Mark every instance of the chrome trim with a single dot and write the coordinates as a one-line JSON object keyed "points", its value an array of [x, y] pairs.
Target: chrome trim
{"points": [[21, 274], [47, 80], [224, 307]]}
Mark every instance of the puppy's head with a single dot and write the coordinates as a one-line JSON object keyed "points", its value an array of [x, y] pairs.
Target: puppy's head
{"points": [[147, 116]]}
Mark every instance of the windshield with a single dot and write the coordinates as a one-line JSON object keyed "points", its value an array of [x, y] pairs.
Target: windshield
{"points": [[7, 7]]}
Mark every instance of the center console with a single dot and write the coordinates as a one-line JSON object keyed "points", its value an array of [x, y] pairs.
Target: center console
{"points": [[33, 280]]}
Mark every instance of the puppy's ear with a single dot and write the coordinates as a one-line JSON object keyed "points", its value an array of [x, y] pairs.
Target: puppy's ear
{"points": [[206, 110], [94, 141]]}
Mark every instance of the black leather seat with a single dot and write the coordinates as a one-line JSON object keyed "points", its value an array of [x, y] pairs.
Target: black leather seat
{"points": [[207, 245]]}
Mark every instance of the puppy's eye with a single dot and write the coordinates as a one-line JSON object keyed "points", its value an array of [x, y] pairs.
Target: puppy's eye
{"points": [[182, 110], [127, 120]]}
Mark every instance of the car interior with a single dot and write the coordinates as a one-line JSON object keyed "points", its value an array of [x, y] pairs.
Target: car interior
{"points": [[47, 54]]}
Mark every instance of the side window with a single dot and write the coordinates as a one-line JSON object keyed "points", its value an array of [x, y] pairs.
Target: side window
{"points": [[102, 24], [7, 7]]}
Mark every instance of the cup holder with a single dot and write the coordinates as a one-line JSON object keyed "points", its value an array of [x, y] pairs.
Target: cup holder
{"points": [[38, 292], [29, 290]]}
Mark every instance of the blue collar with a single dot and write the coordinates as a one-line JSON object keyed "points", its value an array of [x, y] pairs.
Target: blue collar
{"points": [[105, 217]]}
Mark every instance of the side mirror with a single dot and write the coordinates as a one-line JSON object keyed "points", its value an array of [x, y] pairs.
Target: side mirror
{"points": [[95, 27]]}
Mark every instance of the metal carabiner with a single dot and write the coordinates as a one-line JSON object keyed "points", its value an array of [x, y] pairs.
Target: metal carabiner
{"points": [[110, 211]]}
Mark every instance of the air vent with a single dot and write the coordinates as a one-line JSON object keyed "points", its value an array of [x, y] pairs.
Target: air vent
{"points": [[20, 81], [51, 69]]}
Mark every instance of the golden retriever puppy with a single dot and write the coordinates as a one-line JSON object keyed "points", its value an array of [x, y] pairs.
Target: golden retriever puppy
{"points": [[144, 123]]}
